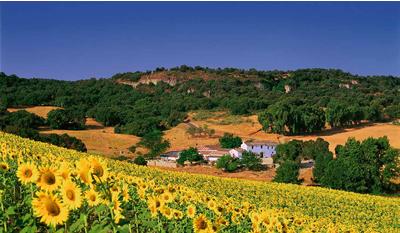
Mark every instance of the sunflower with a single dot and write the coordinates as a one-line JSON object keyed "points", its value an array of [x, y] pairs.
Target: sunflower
{"points": [[191, 211], [84, 171], [125, 193], [201, 224], [167, 197], [48, 179], [92, 197], [49, 209], [116, 208], [153, 209], [167, 212], [71, 195], [4, 166], [27, 173], [177, 214], [99, 168], [255, 218], [64, 171]]}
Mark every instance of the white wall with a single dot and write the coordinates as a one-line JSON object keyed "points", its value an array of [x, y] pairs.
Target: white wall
{"points": [[267, 150]]}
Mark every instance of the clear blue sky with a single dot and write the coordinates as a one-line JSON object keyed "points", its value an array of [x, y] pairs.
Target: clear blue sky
{"points": [[81, 40]]}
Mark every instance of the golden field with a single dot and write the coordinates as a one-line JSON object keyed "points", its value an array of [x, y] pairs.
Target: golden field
{"points": [[50, 189], [250, 128], [97, 138]]}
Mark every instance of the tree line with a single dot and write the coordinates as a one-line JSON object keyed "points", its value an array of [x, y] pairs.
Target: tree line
{"points": [[316, 96]]}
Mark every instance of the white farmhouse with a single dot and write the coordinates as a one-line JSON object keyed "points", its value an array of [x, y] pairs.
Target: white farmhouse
{"points": [[266, 149]]}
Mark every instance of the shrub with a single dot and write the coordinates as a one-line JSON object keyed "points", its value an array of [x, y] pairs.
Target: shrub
{"points": [[288, 172], [65, 141], [140, 160], [230, 141], [66, 119], [251, 161], [191, 155], [132, 148], [227, 163]]}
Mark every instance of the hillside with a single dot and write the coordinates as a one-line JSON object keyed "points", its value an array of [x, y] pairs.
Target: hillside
{"points": [[148, 199], [295, 102]]}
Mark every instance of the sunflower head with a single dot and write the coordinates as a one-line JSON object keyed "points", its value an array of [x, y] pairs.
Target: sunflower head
{"points": [[48, 179], [167, 212], [92, 197], [201, 224], [167, 197], [4, 167], [64, 171], [71, 195], [191, 211], [49, 209], [84, 171], [99, 168], [27, 173]]}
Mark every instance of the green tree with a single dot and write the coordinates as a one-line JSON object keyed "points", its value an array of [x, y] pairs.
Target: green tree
{"points": [[66, 119], [230, 141], [366, 167], [155, 143], [140, 160], [288, 172], [227, 163], [251, 161], [191, 155], [289, 151]]}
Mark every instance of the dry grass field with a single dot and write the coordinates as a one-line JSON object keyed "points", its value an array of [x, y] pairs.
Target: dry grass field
{"points": [[38, 110], [249, 128], [98, 139]]}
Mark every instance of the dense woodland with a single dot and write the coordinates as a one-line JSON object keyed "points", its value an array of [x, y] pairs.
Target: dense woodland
{"points": [[289, 102]]}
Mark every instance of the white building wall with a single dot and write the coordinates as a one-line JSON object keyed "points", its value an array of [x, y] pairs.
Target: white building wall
{"points": [[266, 150], [235, 153]]}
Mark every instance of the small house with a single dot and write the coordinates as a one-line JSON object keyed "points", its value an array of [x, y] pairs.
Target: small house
{"points": [[265, 149], [170, 155], [212, 153]]}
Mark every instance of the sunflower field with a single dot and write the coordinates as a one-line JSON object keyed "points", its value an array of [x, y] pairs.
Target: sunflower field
{"points": [[44, 188]]}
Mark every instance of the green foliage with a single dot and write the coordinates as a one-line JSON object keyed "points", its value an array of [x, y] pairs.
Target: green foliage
{"points": [[132, 148], [292, 117], [251, 161], [66, 119], [366, 167], [288, 172], [230, 141], [140, 160], [289, 151], [65, 141], [201, 131], [155, 143], [203, 115], [146, 108], [227, 163], [191, 155], [21, 119], [393, 111]]}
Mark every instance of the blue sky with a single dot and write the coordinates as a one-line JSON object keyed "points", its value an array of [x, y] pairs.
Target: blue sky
{"points": [[97, 39]]}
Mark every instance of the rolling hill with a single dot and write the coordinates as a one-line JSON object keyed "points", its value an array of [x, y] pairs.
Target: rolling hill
{"points": [[112, 195]]}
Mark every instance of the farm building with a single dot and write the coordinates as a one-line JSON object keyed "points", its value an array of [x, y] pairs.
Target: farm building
{"points": [[266, 149], [212, 152], [170, 155]]}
